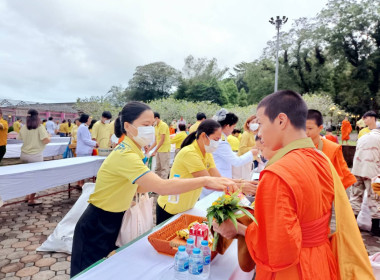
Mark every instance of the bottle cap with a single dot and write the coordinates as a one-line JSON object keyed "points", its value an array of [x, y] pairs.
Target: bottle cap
{"points": [[190, 241], [196, 251], [204, 243], [176, 176], [181, 248]]}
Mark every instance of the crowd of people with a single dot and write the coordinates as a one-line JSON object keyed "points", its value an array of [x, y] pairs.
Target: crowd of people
{"points": [[300, 162]]}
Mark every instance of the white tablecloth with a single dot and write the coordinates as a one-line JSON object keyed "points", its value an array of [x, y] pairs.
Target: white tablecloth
{"points": [[52, 140], [51, 150], [140, 260], [23, 179]]}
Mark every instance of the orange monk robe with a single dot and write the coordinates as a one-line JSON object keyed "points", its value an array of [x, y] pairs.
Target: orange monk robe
{"points": [[332, 138], [346, 130], [293, 191], [334, 152]]}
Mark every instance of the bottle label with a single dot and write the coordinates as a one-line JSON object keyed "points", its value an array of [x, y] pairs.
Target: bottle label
{"points": [[183, 266], [196, 268], [207, 260]]}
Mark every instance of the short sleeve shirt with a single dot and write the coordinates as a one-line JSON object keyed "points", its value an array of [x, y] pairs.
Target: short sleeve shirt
{"points": [[163, 129], [189, 160], [32, 139], [101, 132], [115, 183]]}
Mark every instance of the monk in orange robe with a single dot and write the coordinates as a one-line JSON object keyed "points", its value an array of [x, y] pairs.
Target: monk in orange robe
{"points": [[293, 200], [314, 126], [346, 130], [330, 136]]}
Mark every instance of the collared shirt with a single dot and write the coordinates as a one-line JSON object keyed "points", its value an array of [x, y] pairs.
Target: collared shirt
{"points": [[178, 139], [363, 131], [194, 127], [247, 142], [101, 132], [50, 127], [234, 142], [16, 126], [84, 143], [189, 160], [115, 183], [162, 129]]}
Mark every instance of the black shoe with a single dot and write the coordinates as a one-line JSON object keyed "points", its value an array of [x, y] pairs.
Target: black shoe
{"points": [[375, 229]]}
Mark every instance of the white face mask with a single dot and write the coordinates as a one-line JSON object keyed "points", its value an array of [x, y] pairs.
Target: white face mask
{"points": [[107, 121], [145, 135], [254, 126], [212, 147]]}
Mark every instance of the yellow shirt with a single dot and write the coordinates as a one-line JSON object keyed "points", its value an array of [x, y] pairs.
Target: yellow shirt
{"points": [[3, 132], [194, 127], [234, 142], [101, 133], [363, 132], [360, 123], [32, 139], [74, 131], [44, 124], [16, 126], [112, 127], [189, 160], [115, 183], [178, 139], [247, 142], [70, 128], [63, 128], [162, 128]]}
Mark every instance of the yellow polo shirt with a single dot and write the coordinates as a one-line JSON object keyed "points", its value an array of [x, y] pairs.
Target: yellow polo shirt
{"points": [[32, 139], [115, 183], [178, 139], [63, 128], [189, 160], [194, 127], [363, 132], [3, 132], [247, 142], [74, 131], [101, 132], [234, 142], [162, 128], [16, 126]]}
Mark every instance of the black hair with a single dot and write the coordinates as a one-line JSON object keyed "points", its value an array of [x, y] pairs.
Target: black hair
{"points": [[201, 116], [236, 131], [316, 116], [50, 118], [83, 118], [288, 102], [63, 121], [131, 111], [18, 119], [230, 119], [69, 122], [44, 120], [370, 114], [329, 129], [182, 127], [207, 126], [157, 115], [32, 120], [257, 138], [107, 115], [92, 124]]}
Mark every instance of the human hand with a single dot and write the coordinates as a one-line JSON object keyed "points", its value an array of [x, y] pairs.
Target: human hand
{"points": [[249, 187], [226, 229], [221, 184], [255, 152], [97, 145], [154, 154]]}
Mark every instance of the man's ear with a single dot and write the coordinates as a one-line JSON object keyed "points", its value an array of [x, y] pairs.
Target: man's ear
{"points": [[282, 119]]}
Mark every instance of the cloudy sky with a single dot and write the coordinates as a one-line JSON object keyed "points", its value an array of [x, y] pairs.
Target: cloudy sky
{"points": [[57, 51]]}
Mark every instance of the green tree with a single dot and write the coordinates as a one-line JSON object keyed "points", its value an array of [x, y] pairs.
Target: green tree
{"points": [[153, 81], [243, 98], [230, 90]]}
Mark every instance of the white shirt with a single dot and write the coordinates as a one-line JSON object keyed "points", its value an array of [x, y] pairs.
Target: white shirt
{"points": [[84, 143], [50, 127]]}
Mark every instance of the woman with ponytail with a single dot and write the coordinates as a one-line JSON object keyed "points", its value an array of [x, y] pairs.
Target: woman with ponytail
{"points": [[193, 160], [121, 175]]}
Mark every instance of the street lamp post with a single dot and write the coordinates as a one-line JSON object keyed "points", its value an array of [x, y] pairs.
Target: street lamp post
{"points": [[278, 22]]}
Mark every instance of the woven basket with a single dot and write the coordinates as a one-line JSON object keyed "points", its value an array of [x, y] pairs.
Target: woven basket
{"points": [[160, 239]]}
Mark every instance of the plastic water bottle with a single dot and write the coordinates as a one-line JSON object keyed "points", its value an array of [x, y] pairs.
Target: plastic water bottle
{"points": [[174, 198], [205, 249], [181, 264], [196, 265], [190, 246]]}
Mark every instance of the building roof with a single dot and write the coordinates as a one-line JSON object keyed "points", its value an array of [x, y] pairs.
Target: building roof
{"points": [[56, 107]]}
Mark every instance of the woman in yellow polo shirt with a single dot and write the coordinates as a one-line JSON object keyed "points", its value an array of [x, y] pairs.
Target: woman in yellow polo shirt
{"points": [[193, 160], [121, 175]]}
